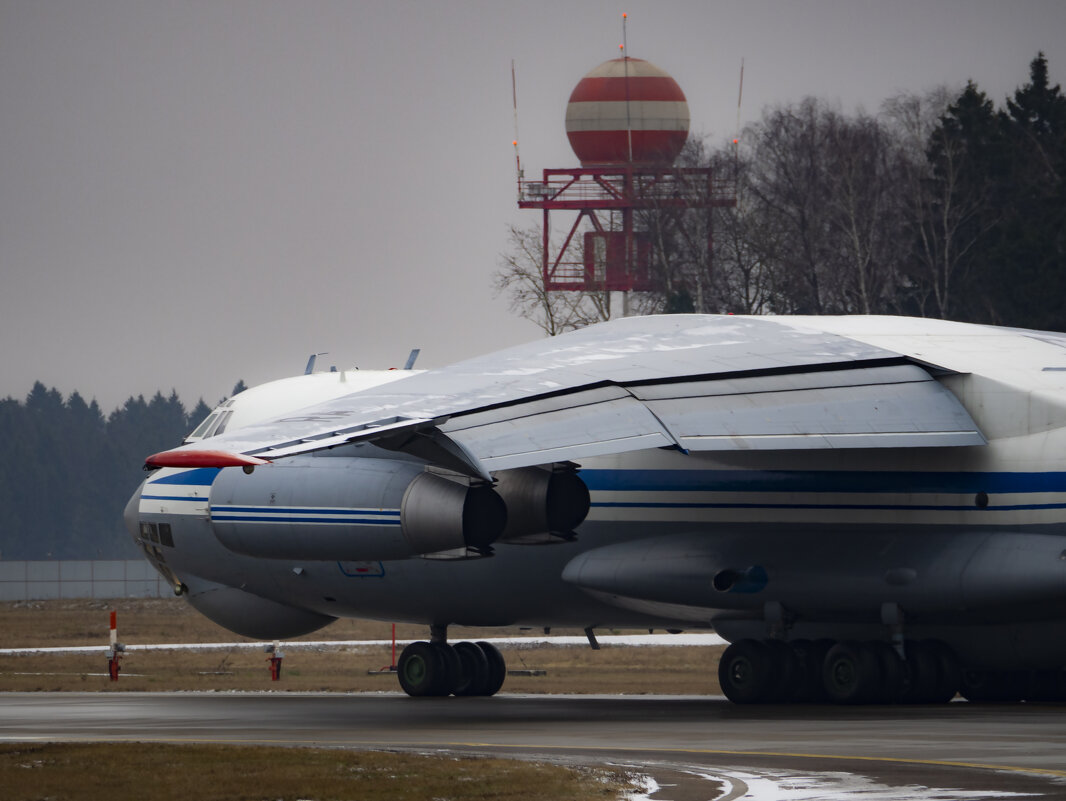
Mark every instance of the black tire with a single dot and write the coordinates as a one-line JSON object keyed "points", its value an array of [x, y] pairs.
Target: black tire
{"points": [[948, 672], [450, 669], [497, 667], [787, 671], [893, 672], [923, 673], [746, 672], [810, 656], [474, 670], [419, 669], [983, 687], [851, 674]]}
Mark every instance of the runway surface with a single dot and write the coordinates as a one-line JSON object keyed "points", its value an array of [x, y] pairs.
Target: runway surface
{"points": [[702, 747]]}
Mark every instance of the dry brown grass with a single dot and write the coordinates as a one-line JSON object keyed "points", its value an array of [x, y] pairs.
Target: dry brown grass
{"points": [[90, 772], [613, 669]]}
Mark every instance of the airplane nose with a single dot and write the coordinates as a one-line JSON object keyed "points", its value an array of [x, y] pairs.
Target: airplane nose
{"points": [[131, 516]]}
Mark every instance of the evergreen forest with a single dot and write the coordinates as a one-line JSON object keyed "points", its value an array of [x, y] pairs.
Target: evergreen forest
{"points": [[67, 470]]}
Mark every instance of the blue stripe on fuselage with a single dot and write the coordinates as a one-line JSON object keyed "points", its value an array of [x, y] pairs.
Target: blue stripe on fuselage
{"points": [[299, 510], [199, 477], [887, 481]]}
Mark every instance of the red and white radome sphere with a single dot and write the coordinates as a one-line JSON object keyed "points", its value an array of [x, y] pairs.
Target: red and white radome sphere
{"points": [[627, 103]]}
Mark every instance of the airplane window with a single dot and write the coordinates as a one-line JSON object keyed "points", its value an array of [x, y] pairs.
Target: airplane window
{"points": [[200, 429], [223, 421], [165, 537]]}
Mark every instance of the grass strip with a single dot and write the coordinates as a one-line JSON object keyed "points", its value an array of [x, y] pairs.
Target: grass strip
{"points": [[162, 772]]}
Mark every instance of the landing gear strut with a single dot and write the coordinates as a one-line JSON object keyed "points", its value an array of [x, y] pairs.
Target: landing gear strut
{"points": [[438, 669]]}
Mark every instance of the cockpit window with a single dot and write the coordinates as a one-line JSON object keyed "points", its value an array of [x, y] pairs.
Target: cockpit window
{"points": [[220, 426], [198, 433], [214, 424], [200, 429]]}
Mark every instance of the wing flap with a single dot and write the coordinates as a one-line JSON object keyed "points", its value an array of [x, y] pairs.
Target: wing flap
{"points": [[876, 407], [591, 423]]}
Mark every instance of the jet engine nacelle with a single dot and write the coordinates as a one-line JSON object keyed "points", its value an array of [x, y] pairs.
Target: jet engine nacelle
{"points": [[351, 509], [543, 504]]}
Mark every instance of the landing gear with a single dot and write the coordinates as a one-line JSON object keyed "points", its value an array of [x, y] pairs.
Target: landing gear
{"points": [[768, 671], [851, 674], [993, 686], [748, 673], [437, 669], [934, 673]]}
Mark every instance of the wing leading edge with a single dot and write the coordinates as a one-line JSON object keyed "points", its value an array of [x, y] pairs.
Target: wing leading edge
{"points": [[691, 382]]}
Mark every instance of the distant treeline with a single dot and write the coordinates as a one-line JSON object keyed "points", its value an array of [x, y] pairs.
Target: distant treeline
{"points": [[66, 470]]}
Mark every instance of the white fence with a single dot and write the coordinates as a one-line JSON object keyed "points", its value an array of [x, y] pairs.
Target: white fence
{"points": [[34, 581]]}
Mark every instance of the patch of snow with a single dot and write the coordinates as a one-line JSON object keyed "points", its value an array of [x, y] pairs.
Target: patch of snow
{"points": [[684, 639], [838, 786]]}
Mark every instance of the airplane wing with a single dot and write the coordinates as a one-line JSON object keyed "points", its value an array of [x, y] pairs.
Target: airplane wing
{"points": [[691, 382]]}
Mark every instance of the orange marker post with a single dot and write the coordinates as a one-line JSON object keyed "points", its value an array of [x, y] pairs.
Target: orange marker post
{"points": [[113, 653]]}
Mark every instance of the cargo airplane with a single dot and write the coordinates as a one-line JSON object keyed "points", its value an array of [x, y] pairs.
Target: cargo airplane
{"points": [[869, 509]]}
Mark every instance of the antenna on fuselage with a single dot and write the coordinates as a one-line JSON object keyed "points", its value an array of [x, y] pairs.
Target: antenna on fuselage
{"points": [[411, 359], [311, 362]]}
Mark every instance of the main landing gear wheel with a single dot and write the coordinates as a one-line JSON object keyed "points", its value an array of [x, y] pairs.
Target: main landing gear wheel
{"points": [[992, 686], [497, 667], [934, 673], [771, 671], [436, 669], [893, 672], [473, 676], [810, 656], [422, 670], [851, 673], [747, 672]]}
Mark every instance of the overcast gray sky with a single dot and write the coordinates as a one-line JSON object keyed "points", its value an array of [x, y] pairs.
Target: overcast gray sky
{"points": [[196, 192]]}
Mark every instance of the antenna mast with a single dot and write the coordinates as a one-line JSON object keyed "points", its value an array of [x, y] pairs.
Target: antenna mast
{"points": [[625, 62], [514, 100], [740, 94]]}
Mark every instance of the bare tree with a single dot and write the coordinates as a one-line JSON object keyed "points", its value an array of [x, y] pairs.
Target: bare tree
{"points": [[946, 211], [824, 186], [519, 276], [864, 213], [787, 179], [744, 274]]}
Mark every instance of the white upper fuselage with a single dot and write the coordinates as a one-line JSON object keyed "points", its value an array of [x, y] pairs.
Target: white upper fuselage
{"points": [[281, 397]]}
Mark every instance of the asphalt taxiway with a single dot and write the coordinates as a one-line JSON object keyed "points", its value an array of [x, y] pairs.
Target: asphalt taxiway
{"points": [[958, 750]]}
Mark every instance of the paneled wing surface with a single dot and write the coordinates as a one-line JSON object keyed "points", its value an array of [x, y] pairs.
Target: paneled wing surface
{"points": [[688, 382]]}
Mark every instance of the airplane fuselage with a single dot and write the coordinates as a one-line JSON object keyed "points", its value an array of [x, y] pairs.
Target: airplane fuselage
{"points": [[961, 545]]}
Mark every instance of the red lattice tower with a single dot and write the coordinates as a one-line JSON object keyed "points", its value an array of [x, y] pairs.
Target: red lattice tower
{"points": [[627, 121]]}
